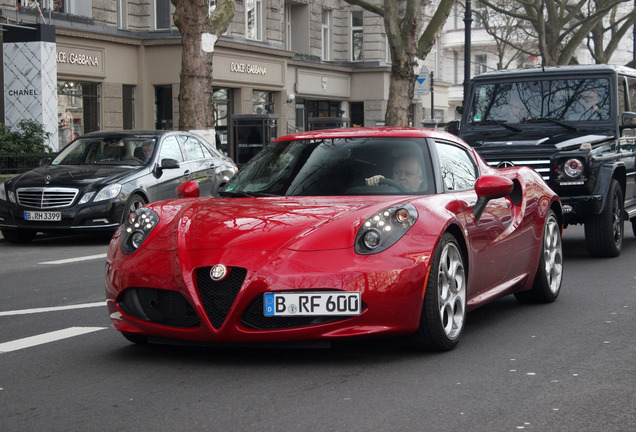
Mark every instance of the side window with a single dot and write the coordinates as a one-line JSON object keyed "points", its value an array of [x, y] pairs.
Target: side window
{"points": [[192, 148], [170, 149], [631, 82], [458, 168]]}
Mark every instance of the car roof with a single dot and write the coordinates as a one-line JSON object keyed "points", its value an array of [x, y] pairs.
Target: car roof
{"points": [[549, 70], [124, 133], [362, 132]]}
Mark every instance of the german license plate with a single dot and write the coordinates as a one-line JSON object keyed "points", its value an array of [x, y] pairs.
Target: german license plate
{"points": [[312, 303], [42, 216]]}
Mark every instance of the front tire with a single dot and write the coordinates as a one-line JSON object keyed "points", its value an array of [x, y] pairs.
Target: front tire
{"points": [[134, 202], [444, 306], [549, 276], [604, 232]]}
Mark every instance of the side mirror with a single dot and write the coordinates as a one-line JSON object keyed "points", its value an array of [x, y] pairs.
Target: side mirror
{"points": [[169, 163], [452, 127], [490, 187], [45, 161], [628, 119], [189, 189]]}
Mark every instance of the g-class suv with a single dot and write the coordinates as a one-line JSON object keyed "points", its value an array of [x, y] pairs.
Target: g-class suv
{"points": [[576, 126]]}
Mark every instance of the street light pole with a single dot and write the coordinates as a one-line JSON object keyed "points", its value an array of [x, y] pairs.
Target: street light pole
{"points": [[468, 22]]}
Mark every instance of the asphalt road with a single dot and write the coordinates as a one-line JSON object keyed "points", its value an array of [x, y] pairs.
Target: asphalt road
{"points": [[566, 366]]}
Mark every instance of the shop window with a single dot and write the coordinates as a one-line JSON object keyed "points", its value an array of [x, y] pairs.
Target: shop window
{"points": [[262, 102], [254, 19], [356, 36], [163, 107], [222, 107], [162, 14], [128, 106], [78, 109], [357, 114]]}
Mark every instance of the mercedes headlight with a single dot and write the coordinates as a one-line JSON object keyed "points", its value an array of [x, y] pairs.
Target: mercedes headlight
{"points": [[384, 229], [136, 229], [573, 168], [108, 192]]}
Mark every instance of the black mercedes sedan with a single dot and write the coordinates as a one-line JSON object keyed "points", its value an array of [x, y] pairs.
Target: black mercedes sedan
{"points": [[97, 180]]}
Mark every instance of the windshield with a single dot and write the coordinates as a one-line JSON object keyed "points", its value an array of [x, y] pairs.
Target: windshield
{"points": [[569, 100], [115, 150], [328, 167]]}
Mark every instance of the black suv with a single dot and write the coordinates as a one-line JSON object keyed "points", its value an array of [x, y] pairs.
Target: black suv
{"points": [[576, 126]]}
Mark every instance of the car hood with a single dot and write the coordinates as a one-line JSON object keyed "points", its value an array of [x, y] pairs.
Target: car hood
{"points": [[263, 223], [72, 175], [544, 138]]}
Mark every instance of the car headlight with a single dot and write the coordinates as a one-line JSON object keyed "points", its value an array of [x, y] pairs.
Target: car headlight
{"points": [[109, 192], [573, 168], [384, 229], [86, 198], [136, 229], [3, 192]]}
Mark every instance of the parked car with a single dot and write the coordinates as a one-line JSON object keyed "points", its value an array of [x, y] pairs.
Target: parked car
{"points": [[339, 233], [576, 126], [98, 179]]}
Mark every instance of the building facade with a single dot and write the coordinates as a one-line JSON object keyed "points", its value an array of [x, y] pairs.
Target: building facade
{"points": [[282, 66]]}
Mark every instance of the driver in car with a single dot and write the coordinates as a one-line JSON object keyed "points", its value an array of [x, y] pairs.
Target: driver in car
{"points": [[406, 170]]}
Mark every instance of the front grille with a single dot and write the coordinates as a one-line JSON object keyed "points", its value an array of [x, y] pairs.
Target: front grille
{"points": [[542, 166], [217, 297], [46, 198], [255, 318], [165, 307]]}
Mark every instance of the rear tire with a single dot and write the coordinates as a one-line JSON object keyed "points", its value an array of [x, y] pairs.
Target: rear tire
{"points": [[19, 237], [547, 282], [604, 232], [444, 306]]}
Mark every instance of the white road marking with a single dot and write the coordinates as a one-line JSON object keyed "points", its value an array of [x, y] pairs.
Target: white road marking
{"points": [[70, 260], [46, 338], [51, 309]]}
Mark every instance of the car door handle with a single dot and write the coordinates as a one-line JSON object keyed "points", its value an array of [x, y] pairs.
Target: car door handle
{"points": [[187, 172]]}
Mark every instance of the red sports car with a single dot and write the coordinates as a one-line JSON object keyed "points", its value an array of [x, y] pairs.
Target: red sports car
{"points": [[338, 234]]}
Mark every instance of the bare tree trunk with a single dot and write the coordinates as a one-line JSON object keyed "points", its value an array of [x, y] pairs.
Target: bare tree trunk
{"points": [[195, 89]]}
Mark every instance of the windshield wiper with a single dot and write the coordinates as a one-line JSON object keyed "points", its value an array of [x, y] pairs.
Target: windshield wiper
{"points": [[242, 194], [551, 120], [499, 123]]}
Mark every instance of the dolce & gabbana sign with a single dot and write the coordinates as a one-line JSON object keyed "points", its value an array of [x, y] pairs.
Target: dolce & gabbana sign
{"points": [[248, 68], [80, 60], [77, 58]]}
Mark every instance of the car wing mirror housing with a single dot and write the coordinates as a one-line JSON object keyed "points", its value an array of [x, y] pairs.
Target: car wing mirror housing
{"points": [[169, 163], [189, 189], [490, 187], [628, 119]]}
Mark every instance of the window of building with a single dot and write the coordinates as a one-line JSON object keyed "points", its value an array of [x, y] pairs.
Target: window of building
{"points": [[356, 36], [288, 27], [455, 67], [128, 106], [162, 14], [479, 11], [78, 109], [481, 63], [254, 19], [326, 35], [122, 14], [74, 7], [262, 102], [163, 107]]}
